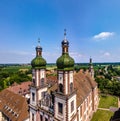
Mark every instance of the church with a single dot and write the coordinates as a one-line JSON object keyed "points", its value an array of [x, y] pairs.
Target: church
{"points": [[72, 97]]}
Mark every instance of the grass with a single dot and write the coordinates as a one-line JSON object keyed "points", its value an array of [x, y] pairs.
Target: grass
{"points": [[108, 101], [102, 115]]}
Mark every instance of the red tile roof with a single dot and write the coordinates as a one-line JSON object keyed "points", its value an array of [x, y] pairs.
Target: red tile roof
{"points": [[84, 85], [13, 106], [83, 82], [21, 89]]}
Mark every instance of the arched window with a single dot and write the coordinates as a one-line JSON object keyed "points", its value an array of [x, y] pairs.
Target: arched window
{"points": [[71, 87], [61, 87], [42, 82], [33, 81]]}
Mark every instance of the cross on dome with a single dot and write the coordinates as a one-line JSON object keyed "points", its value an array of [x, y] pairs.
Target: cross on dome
{"points": [[39, 41], [65, 33]]}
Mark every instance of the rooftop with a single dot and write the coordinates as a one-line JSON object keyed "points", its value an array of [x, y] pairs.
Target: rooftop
{"points": [[13, 106]]}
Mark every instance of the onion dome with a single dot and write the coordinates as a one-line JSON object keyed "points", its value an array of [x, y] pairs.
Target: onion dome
{"points": [[38, 62], [65, 62]]}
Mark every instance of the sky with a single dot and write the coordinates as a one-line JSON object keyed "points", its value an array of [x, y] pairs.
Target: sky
{"points": [[93, 29]]}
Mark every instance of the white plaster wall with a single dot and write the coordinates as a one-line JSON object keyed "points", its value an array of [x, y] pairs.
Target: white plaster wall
{"points": [[33, 73], [57, 115], [96, 98], [87, 110], [40, 92], [0, 116], [71, 76], [66, 81], [69, 107], [32, 111], [37, 77], [42, 73], [27, 119]]}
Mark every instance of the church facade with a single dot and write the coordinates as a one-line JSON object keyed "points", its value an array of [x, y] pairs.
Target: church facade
{"points": [[73, 97]]}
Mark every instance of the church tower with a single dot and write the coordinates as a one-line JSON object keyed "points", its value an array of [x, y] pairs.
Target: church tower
{"points": [[39, 86], [91, 69], [65, 97]]}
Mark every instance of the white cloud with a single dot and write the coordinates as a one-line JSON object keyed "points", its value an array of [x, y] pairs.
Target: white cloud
{"points": [[103, 35], [106, 54], [75, 54], [15, 52]]}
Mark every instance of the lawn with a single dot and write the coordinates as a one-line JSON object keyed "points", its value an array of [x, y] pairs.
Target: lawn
{"points": [[108, 101], [102, 115]]}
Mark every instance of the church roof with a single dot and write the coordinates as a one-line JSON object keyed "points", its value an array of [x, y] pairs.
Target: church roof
{"points": [[83, 82], [14, 106], [22, 89], [84, 85]]}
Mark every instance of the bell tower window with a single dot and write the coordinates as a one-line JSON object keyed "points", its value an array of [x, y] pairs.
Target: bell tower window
{"points": [[71, 87], [61, 87], [34, 81], [42, 82], [33, 96]]}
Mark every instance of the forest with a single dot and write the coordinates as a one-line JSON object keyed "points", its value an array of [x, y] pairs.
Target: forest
{"points": [[107, 75], [14, 73]]}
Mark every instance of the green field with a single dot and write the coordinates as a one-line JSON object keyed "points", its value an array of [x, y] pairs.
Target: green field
{"points": [[102, 115], [14, 68], [108, 101], [51, 67]]}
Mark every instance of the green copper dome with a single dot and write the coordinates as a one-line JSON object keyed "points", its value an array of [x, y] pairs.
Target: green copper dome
{"points": [[38, 62], [65, 62]]}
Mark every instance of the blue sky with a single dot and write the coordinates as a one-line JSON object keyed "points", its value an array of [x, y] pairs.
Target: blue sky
{"points": [[93, 29]]}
